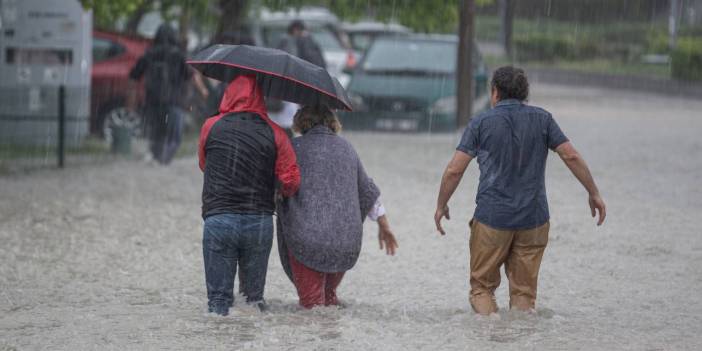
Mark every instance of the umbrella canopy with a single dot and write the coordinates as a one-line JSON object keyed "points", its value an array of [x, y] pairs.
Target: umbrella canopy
{"points": [[281, 75]]}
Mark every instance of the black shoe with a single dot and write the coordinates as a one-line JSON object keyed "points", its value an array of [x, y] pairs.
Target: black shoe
{"points": [[261, 305], [220, 310]]}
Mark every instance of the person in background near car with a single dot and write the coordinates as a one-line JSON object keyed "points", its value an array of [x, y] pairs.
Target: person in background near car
{"points": [[321, 228], [511, 221], [297, 42], [166, 74], [243, 155]]}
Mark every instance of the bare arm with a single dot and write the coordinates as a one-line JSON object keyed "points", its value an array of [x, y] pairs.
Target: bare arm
{"points": [[386, 238], [449, 182], [578, 167], [200, 85], [135, 75], [131, 103]]}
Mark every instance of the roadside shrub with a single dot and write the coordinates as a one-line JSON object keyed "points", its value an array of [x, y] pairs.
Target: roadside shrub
{"points": [[621, 52], [690, 31], [686, 59], [657, 42], [542, 47], [585, 47], [551, 47]]}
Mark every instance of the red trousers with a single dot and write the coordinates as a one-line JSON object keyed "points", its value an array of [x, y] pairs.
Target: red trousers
{"points": [[314, 288]]}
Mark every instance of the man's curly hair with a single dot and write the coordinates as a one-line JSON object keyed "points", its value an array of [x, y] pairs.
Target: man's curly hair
{"points": [[511, 83]]}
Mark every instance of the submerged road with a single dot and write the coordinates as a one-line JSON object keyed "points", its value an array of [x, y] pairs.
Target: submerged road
{"points": [[109, 256]]}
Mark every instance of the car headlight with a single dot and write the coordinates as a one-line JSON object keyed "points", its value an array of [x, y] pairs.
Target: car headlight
{"points": [[357, 102], [445, 105]]}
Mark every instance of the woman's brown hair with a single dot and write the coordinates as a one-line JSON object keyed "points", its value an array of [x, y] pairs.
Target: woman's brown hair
{"points": [[309, 117]]}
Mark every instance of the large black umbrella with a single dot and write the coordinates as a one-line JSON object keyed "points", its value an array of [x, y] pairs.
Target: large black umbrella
{"points": [[281, 75]]}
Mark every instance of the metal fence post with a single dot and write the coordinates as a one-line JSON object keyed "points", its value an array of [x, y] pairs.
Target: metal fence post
{"points": [[61, 124]]}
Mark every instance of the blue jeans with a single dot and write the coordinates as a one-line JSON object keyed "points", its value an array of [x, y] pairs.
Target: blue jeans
{"points": [[231, 239], [166, 134]]}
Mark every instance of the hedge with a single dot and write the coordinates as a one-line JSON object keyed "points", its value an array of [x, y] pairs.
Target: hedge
{"points": [[686, 59], [549, 47]]}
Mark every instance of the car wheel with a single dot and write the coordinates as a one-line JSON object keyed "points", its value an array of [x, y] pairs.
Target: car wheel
{"points": [[121, 117]]}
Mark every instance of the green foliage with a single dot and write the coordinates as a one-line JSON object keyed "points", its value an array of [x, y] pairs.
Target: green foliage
{"points": [[690, 31], [106, 12], [584, 11], [687, 59], [568, 46], [420, 15], [657, 42], [559, 40], [543, 47], [596, 65]]}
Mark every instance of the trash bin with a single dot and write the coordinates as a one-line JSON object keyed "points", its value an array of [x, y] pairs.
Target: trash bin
{"points": [[121, 140]]}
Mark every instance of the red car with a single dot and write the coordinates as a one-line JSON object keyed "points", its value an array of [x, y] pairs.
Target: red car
{"points": [[114, 55]]}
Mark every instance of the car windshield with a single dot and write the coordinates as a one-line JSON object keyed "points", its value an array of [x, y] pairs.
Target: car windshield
{"points": [[411, 56], [361, 41]]}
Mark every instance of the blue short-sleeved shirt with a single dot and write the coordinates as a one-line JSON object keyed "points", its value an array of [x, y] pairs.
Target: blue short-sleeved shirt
{"points": [[511, 142]]}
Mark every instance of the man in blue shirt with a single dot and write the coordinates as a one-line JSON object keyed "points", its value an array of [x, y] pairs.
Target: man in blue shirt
{"points": [[511, 221]]}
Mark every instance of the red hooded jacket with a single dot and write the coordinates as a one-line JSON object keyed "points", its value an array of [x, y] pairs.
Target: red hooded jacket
{"points": [[242, 153]]}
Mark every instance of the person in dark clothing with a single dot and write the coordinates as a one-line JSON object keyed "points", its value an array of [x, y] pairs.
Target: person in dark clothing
{"points": [[243, 155], [511, 221], [300, 43], [166, 74]]}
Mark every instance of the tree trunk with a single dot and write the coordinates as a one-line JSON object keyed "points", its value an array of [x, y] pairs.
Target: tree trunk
{"points": [[135, 18], [507, 18], [464, 83], [232, 16], [184, 25], [673, 18]]}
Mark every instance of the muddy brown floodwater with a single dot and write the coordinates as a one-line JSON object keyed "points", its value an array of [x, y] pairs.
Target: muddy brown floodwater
{"points": [[109, 257]]}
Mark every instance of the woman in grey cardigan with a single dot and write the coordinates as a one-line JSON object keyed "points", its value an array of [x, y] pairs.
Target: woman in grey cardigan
{"points": [[321, 228]]}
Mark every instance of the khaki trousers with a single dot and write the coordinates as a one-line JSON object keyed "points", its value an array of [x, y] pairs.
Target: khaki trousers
{"points": [[519, 250]]}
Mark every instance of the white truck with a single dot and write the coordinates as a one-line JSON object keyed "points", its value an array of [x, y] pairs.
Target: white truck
{"points": [[44, 45]]}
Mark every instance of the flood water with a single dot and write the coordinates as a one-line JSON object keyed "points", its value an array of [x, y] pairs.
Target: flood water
{"points": [[109, 256]]}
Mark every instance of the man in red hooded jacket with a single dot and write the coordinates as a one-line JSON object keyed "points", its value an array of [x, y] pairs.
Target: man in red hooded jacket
{"points": [[243, 155]]}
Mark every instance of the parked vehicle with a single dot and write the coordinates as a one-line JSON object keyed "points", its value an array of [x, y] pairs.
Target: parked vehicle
{"points": [[362, 34], [409, 84], [114, 55]]}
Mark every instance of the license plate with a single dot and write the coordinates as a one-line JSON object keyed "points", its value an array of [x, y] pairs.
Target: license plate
{"points": [[397, 124]]}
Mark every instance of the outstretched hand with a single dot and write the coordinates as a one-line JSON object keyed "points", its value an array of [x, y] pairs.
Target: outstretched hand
{"points": [[387, 240], [597, 205], [441, 212]]}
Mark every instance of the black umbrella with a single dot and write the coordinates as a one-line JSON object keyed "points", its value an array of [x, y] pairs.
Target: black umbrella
{"points": [[281, 75]]}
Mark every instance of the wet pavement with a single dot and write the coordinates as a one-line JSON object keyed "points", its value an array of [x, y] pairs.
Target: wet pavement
{"points": [[109, 256]]}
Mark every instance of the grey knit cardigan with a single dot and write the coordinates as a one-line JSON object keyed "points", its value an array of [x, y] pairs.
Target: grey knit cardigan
{"points": [[322, 225]]}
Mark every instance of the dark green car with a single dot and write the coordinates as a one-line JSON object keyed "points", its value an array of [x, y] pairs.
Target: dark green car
{"points": [[409, 84]]}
